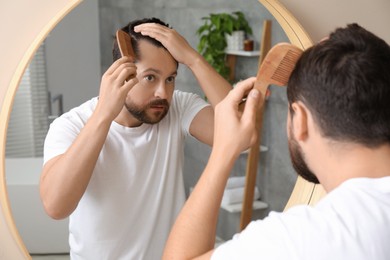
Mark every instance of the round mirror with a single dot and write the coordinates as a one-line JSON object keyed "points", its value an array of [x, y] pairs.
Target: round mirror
{"points": [[21, 46]]}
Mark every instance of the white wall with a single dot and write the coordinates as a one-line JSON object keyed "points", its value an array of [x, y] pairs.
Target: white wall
{"points": [[319, 17], [73, 56]]}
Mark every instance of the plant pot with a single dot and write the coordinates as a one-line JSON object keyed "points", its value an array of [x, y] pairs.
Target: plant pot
{"points": [[235, 41]]}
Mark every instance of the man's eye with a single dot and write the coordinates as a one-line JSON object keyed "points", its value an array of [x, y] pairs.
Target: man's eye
{"points": [[171, 79], [149, 77]]}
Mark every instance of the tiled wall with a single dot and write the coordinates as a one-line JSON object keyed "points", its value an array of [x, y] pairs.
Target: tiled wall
{"points": [[276, 177]]}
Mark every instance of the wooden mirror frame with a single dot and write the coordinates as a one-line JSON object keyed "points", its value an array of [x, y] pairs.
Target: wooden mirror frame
{"points": [[25, 24], [304, 192]]}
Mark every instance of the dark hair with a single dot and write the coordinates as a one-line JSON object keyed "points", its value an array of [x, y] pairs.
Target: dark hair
{"points": [[135, 37], [345, 82]]}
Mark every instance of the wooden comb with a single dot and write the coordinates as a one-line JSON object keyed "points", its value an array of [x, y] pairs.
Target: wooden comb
{"points": [[277, 66], [276, 69], [124, 44]]}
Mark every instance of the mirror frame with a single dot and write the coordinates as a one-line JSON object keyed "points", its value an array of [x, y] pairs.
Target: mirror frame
{"points": [[304, 192], [42, 16], [19, 47]]}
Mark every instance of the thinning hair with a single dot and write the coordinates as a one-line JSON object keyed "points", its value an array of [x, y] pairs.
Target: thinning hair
{"points": [[136, 37]]}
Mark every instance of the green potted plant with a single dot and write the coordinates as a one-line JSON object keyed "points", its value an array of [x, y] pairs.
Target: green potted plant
{"points": [[213, 42]]}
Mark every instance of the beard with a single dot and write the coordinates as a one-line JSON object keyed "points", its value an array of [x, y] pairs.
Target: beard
{"points": [[298, 161], [143, 114]]}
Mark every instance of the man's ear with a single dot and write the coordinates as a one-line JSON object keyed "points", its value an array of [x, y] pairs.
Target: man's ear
{"points": [[299, 121]]}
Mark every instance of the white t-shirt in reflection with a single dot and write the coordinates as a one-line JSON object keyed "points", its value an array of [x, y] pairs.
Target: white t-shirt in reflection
{"points": [[136, 189]]}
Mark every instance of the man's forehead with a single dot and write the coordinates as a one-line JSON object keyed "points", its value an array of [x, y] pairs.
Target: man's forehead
{"points": [[147, 49], [155, 57]]}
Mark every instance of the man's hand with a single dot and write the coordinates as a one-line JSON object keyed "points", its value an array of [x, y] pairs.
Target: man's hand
{"points": [[177, 46], [116, 83], [193, 234], [235, 130]]}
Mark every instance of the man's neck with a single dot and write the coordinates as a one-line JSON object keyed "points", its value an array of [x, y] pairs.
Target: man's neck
{"points": [[348, 161]]}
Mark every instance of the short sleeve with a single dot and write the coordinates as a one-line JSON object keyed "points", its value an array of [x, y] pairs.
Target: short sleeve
{"points": [[188, 106], [64, 130], [60, 136]]}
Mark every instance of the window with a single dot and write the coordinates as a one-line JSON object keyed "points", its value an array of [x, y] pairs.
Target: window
{"points": [[29, 120]]}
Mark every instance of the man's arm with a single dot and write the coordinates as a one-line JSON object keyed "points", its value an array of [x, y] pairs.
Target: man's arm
{"points": [[193, 234], [65, 177]]}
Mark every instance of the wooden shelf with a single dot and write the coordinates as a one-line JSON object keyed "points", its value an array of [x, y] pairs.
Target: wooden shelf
{"points": [[262, 149], [257, 204], [244, 53]]}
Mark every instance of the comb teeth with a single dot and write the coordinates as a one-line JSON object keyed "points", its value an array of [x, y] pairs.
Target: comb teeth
{"points": [[286, 66]]}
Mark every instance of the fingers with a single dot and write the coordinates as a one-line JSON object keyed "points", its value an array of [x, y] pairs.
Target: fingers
{"points": [[175, 43], [153, 30], [129, 84], [121, 70], [230, 120], [251, 107], [241, 90], [125, 72], [114, 66], [245, 89]]}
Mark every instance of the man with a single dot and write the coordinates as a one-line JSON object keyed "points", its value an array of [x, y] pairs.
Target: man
{"points": [[114, 164], [339, 134]]}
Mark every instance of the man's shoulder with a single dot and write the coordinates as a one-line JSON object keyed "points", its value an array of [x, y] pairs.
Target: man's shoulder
{"points": [[80, 113], [186, 98], [85, 108]]}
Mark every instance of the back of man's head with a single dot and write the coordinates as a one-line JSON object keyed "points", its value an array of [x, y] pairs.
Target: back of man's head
{"points": [[345, 83]]}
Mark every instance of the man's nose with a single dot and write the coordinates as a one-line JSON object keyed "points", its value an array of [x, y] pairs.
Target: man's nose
{"points": [[161, 91]]}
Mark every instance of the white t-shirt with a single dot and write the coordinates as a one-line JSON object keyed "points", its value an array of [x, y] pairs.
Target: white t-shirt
{"points": [[136, 189], [351, 222]]}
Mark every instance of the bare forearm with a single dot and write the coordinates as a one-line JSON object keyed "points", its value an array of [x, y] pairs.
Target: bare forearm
{"points": [[193, 234], [213, 84], [65, 178], [194, 231]]}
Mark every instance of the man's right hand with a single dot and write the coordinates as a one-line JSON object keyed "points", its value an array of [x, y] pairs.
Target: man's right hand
{"points": [[115, 85], [235, 130]]}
